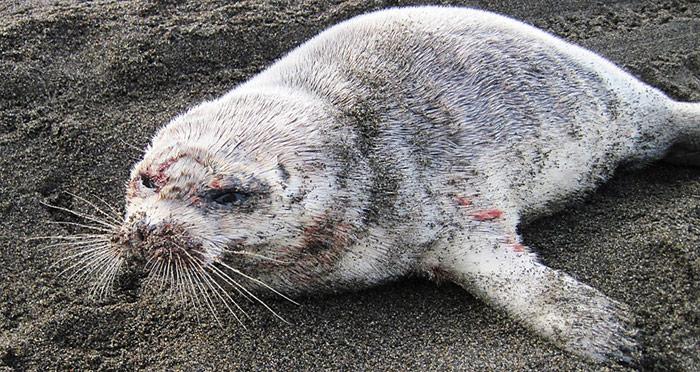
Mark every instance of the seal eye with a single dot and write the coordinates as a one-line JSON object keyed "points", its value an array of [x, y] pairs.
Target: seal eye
{"points": [[230, 197], [147, 181]]}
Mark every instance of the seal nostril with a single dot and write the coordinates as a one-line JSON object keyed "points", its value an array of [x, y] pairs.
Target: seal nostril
{"points": [[140, 231], [138, 235]]}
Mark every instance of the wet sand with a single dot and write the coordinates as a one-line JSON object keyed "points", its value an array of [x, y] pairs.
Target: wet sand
{"points": [[82, 87]]}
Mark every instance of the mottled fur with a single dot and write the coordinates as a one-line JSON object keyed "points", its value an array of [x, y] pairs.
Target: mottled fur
{"points": [[412, 141]]}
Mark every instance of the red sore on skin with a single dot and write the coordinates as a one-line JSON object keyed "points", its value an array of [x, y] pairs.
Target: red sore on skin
{"points": [[326, 234], [323, 242], [216, 183], [160, 178], [463, 201], [168, 163], [487, 214], [321, 245], [518, 248]]}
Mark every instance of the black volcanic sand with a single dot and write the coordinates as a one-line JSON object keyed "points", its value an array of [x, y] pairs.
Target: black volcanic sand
{"points": [[82, 86]]}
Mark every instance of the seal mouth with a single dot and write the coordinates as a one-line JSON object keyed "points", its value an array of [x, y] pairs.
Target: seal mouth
{"points": [[151, 252]]}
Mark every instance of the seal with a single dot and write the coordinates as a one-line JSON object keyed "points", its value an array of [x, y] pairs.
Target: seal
{"points": [[405, 141]]}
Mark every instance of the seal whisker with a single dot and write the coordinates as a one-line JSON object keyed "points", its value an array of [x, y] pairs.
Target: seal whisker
{"points": [[172, 266], [117, 214], [192, 290], [98, 269], [256, 298], [78, 239], [158, 273], [92, 257], [197, 261], [170, 276], [202, 289], [66, 237], [66, 223], [224, 300], [150, 279], [186, 281], [115, 220], [235, 285], [148, 262], [153, 275], [177, 284], [101, 285], [81, 253], [258, 281], [91, 267], [185, 289], [115, 270], [197, 292], [83, 215], [164, 270], [81, 260], [182, 290], [132, 146], [75, 244]]}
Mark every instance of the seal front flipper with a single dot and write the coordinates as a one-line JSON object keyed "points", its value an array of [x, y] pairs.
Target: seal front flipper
{"points": [[571, 314]]}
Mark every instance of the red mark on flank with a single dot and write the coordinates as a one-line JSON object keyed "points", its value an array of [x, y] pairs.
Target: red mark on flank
{"points": [[463, 201], [487, 214], [518, 248]]}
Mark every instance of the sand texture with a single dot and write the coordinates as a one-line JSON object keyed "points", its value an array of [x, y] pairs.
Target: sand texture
{"points": [[83, 86]]}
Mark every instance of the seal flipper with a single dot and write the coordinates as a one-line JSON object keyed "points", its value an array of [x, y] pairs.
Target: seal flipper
{"points": [[573, 315], [686, 149]]}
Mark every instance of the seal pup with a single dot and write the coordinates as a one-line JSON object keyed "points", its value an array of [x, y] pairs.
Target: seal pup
{"points": [[405, 141]]}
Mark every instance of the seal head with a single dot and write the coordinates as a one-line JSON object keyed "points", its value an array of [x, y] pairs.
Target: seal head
{"points": [[250, 197]]}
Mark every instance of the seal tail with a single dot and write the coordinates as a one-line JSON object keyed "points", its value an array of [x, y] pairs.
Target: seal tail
{"points": [[686, 148]]}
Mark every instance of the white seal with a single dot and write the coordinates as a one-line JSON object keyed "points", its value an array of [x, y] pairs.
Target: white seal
{"points": [[399, 142]]}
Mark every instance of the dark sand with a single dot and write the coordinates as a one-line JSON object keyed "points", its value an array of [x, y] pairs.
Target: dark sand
{"points": [[80, 84]]}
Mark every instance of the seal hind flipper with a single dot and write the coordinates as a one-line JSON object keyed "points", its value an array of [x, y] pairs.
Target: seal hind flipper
{"points": [[571, 314], [686, 150]]}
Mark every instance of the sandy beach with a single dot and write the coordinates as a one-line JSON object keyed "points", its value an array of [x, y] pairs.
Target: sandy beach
{"points": [[83, 86]]}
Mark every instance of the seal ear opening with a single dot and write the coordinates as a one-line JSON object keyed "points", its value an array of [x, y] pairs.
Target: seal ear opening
{"points": [[283, 172]]}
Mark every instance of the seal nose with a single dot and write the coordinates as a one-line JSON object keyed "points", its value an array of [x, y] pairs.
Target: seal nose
{"points": [[140, 232]]}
